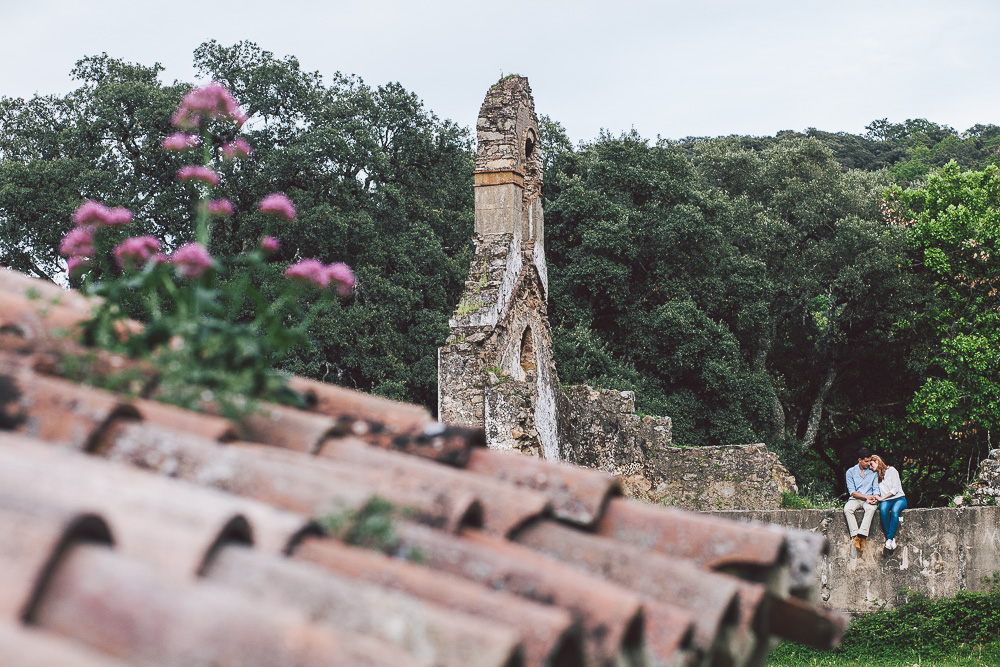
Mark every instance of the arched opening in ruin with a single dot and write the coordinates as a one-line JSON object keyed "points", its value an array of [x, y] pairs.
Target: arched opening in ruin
{"points": [[529, 145], [527, 360]]}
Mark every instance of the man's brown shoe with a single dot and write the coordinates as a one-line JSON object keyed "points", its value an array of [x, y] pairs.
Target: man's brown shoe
{"points": [[861, 542], [857, 542]]}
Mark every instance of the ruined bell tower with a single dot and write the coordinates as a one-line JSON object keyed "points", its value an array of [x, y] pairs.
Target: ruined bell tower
{"points": [[508, 175], [496, 369]]}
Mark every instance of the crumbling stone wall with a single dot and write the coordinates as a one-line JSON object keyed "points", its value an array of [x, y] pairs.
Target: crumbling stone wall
{"points": [[715, 478], [940, 552], [604, 432], [986, 489]]}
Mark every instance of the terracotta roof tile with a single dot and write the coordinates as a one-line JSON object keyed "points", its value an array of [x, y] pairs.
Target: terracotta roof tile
{"points": [[167, 523], [28, 647], [93, 598], [549, 634], [107, 548], [712, 600], [286, 479], [576, 494], [438, 635], [504, 507], [611, 616], [707, 541], [36, 532]]}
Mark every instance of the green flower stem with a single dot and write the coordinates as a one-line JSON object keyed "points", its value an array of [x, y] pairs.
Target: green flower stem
{"points": [[202, 232]]}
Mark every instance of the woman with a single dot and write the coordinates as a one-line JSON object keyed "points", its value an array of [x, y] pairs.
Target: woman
{"points": [[891, 498]]}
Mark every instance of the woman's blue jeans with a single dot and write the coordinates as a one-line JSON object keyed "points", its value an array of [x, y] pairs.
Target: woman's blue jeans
{"points": [[893, 508]]}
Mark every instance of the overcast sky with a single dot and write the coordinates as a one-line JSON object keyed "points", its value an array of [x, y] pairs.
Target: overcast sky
{"points": [[669, 68]]}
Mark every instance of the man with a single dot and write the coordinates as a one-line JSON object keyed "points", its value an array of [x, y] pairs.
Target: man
{"points": [[862, 484]]}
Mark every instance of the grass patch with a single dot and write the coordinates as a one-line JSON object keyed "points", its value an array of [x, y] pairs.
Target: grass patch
{"points": [[929, 632]]}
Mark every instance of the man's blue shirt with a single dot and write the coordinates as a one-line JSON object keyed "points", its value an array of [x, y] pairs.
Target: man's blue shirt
{"points": [[866, 485]]}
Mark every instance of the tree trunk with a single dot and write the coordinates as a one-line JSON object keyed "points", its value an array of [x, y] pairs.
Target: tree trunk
{"points": [[816, 412]]}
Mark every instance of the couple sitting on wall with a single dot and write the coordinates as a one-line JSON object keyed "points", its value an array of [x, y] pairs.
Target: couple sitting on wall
{"points": [[873, 484]]}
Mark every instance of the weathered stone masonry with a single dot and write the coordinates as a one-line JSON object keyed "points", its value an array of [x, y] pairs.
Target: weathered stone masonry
{"points": [[496, 369]]}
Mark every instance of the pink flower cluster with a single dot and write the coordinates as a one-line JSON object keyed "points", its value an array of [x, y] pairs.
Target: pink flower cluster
{"points": [[314, 272], [195, 172], [180, 142], [236, 148], [210, 102], [222, 208], [278, 205], [79, 242], [269, 245], [136, 251], [78, 245], [191, 260], [94, 213]]}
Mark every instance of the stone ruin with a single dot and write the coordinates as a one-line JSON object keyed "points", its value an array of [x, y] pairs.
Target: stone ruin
{"points": [[986, 489], [496, 369]]}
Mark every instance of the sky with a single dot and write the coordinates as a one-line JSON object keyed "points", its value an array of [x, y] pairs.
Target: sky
{"points": [[664, 68]]}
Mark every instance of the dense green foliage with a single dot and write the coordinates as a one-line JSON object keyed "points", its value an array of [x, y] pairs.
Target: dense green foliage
{"points": [[752, 288], [378, 182], [922, 630]]}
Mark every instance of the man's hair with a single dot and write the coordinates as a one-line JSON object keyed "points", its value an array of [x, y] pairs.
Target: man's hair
{"points": [[863, 453]]}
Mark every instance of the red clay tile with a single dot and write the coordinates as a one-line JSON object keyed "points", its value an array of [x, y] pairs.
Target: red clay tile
{"points": [[807, 624], [610, 616], [504, 506], [549, 634], [289, 480], [95, 594], [576, 494], [669, 634], [288, 428], [705, 540], [347, 405], [37, 318], [168, 523], [432, 633], [13, 282], [22, 646], [178, 419], [711, 599], [58, 411], [35, 533]]}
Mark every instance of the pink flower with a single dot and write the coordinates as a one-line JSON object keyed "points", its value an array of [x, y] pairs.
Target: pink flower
{"points": [[237, 148], [159, 258], [118, 216], [191, 260], [76, 265], [136, 250], [340, 274], [278, 205], [91, 212], [208, 102], [193, 172], [222, 208], [79, 242], [180, 142], [309, 271], [269, 245]]}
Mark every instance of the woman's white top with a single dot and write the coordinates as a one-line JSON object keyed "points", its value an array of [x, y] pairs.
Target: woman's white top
{"points": [[890, 484]]}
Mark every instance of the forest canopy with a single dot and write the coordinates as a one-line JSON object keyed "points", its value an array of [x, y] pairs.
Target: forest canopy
{"points": [[814, 291]]}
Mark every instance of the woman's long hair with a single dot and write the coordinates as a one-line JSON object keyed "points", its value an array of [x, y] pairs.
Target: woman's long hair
{"points": [[880, 467]]}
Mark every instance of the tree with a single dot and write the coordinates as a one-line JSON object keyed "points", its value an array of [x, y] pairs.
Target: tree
{"points": [[952, 225]]}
